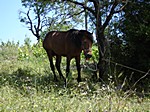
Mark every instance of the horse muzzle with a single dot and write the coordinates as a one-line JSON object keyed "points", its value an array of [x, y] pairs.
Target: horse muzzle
{"points": [[88, 56]]}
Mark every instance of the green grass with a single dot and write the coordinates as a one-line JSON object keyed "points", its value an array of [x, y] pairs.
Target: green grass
{"points": [[27, 86], [63, 100]]}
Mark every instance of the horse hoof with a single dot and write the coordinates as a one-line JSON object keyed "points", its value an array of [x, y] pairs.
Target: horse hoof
{"points": [[79, 80], [55, 80]]}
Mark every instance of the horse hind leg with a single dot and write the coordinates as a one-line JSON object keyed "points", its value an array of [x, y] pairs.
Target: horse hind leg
{"points": [[49, 53], [58, 61]]}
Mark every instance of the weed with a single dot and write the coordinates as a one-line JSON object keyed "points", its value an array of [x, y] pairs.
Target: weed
{"points": [[27, 85]]}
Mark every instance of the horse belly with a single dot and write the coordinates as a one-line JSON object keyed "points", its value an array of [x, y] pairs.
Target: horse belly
{"points": [[65, 49], [58, 46], [59, 50]]}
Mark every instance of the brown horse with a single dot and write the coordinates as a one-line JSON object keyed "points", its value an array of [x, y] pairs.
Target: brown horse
{"points": [[69, 44]]}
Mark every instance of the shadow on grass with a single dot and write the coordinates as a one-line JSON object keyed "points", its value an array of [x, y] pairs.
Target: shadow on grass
{"points": [[28, 81], [24, 79]]}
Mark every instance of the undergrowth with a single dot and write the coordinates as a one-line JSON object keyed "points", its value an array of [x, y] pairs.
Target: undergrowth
{"points": [[26, 84]]}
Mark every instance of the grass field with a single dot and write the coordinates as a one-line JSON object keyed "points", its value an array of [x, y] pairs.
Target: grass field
{"points": [[26, 85]]}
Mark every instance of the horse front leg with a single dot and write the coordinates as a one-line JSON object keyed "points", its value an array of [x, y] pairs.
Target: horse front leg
{"points": [[78, 68]]}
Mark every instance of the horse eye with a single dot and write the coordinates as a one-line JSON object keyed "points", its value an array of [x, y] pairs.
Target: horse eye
{"points": [[84, 43]]}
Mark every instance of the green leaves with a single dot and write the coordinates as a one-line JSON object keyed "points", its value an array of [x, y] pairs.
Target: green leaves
{"points": [[29, 51], [27, 85]]}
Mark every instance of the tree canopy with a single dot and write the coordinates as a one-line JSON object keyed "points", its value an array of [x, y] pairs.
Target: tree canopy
{"points": [[125, 24]]}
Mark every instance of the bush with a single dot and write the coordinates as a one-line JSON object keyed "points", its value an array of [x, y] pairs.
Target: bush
{"points": [[27, 84]]}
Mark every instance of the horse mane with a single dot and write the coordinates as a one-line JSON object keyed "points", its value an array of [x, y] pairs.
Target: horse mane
{"points": [[77, 35], [90, 37]]}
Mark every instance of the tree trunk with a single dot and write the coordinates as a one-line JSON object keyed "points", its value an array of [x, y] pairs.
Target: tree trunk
{"points": [[86, 16], [100, 41], [101, 48]]}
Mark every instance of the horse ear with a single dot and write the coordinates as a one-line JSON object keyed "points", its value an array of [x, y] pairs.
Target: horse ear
{"points": [[81, 33]]}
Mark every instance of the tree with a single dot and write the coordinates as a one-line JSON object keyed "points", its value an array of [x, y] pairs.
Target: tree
{"points": [[43, 16], [135, 39], [37, 21], [101, 13]]}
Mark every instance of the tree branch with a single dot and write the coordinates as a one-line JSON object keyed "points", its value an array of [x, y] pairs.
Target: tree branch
{"points": [[75, 14], [108, 18], [39, 21], [82, 5], [121, 8], [31, 24], [37, 29]]}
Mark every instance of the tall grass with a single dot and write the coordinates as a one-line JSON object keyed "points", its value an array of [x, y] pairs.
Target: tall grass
{"points": [[26, 85]]}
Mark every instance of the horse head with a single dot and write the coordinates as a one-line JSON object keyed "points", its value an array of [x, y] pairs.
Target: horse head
{"points": [[86, 43]]}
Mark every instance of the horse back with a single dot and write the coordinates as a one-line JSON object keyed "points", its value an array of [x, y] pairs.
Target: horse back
{"points": [[60, 43]]}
